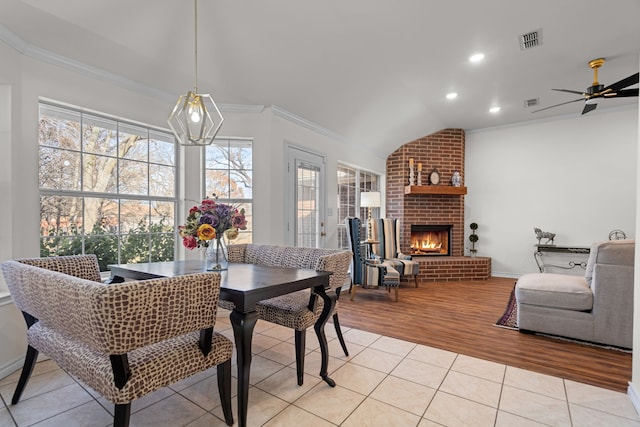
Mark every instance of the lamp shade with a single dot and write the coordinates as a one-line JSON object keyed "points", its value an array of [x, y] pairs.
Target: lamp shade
{"points": [[370, 199]]}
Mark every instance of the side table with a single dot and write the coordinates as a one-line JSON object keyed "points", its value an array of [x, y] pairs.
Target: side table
{"points": [[368, 244], [561, 259]]}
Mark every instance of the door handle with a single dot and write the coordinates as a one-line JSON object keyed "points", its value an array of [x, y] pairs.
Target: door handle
{"points": [[322, 233]]}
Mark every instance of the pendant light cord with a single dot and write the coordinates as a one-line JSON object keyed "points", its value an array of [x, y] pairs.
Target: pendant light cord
{"points": [[195, 85]]}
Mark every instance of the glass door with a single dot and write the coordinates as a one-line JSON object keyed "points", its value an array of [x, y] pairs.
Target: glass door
{"points": [[306, 206]]}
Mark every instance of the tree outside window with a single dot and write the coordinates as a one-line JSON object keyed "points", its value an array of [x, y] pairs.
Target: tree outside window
{"points": [[229, 176]]}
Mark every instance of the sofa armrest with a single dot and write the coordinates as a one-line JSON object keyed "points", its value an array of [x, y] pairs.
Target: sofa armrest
{"points": [[612, 286]]}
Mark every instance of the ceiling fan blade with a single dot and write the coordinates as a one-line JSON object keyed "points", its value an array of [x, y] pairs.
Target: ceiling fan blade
{"points": [[622, 93], [631, 80], [570, 91], [589, 107], [557, 105]]}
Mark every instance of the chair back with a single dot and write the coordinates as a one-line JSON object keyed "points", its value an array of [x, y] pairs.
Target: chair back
{"points": [[112, 319], [357, 259], [334, 260], [386, 231]]}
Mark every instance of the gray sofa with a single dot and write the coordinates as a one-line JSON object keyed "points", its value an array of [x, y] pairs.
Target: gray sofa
{"points": [[597, 307]]}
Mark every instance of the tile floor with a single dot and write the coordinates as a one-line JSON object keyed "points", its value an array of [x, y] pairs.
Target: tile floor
{"points": [[384, 382]]}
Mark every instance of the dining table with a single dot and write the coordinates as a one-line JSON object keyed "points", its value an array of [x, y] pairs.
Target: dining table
{"points": [[245, 285]]}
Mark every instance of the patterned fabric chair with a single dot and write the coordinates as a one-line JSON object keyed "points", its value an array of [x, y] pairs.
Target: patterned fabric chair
{"points": [[123, 340], [292, 310], [386, 231], [368, 273]]}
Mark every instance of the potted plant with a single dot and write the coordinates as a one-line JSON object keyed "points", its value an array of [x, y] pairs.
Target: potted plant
{"points": [[473, 238]]}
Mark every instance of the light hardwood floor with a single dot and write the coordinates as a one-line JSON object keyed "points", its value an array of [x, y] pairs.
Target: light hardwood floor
{"points": [[460, 317]]}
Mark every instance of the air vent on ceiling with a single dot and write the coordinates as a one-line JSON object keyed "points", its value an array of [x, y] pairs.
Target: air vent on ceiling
{"points": [[531, 102], [531, 39]]}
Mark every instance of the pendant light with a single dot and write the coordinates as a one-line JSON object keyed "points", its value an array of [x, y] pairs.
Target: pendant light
{"points": [[195, 119]]}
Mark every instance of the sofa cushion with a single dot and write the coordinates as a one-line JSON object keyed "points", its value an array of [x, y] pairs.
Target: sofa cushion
{"points": [[555, 291]]}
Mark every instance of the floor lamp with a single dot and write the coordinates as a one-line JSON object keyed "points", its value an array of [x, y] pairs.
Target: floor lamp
{"points": [[369, 199]]}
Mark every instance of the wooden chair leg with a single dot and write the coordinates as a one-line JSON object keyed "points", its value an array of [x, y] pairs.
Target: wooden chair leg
{"points": [[416, 279], [353, 292], [29, 363], [224, 389], [336, 323], [122, 415], [396, 292], [300, 348]]}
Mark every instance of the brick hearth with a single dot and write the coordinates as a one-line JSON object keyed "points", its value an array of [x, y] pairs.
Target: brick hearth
{"points": [[444, 151]]}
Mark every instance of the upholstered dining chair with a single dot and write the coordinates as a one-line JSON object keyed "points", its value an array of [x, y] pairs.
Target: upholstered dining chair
{"points": [[123, 340], [298, 310], [368, 273], [386, 232]]}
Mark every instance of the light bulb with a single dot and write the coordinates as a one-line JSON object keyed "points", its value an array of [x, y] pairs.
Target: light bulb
{"points": [[195, 110]]}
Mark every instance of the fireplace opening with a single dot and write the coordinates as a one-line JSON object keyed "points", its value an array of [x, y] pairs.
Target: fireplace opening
{"points": [[430, 240]]}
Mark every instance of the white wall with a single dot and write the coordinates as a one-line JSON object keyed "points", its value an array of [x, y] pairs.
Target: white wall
{"points": [[574, 176]]}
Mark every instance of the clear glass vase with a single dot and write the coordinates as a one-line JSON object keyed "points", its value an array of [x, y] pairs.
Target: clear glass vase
{"points": [[217, 255]]}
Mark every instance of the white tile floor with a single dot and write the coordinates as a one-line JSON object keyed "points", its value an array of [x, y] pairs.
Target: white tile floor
{"points": [[384, 382]]}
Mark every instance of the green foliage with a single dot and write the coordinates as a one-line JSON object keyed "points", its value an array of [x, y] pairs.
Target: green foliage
{"points": [[473, 238], [141, 244], [473, 226]]}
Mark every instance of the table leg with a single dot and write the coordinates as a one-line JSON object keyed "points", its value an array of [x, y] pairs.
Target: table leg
{"points": [[243, 324], [329, 298]]}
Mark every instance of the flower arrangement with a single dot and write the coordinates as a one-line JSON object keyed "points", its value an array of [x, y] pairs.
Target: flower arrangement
{"points": [[211, 220]]}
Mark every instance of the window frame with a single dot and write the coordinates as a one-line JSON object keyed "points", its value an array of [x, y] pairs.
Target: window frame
{"points": [[122, 127], [360, 184], [245, 236]]}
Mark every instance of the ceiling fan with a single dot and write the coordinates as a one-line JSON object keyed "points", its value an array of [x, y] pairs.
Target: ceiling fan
{"points": [[597, 90]]}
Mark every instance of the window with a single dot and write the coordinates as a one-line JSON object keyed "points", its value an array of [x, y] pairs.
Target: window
{"points": [[229, 176], [107, 187], [351, 182]]}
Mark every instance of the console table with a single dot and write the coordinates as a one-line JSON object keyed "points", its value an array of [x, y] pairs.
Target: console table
{"points": [[561, 259]]}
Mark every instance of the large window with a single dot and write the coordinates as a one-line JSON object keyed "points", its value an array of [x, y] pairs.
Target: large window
{"points": [[352, 182], [107, 187], [229, 176]]}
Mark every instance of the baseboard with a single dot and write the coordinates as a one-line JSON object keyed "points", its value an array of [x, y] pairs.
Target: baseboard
{"points": [[9, 368], [634, 396]]}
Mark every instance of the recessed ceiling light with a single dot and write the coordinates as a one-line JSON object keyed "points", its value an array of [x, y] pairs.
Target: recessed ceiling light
{"points": [[476, 57], [494, 110], [452, 95]]}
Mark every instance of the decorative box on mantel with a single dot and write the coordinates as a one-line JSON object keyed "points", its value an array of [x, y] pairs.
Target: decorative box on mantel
{"points": [[435, 189]]}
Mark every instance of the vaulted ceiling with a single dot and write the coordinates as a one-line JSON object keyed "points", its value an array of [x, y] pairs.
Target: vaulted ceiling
{"points": [[368, 72]]}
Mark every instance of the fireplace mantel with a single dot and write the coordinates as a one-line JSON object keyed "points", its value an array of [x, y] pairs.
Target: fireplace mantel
{"points": [[435, 189]]}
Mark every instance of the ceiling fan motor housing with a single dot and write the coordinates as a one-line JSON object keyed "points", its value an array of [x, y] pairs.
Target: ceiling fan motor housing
{"points": [[595, 89]]}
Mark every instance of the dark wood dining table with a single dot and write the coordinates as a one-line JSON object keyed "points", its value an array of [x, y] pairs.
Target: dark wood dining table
{"points": [[245, 285]]}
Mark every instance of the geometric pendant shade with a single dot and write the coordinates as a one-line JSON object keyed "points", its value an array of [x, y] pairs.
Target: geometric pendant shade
{"points": [[195, 120]]}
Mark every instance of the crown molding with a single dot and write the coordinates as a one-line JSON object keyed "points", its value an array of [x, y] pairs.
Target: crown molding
{"points": [[44, 55], [301, 121], [242, 108]]}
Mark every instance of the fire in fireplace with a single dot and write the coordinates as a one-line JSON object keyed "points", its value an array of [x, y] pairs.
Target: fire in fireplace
{"points": [[430, 240]]}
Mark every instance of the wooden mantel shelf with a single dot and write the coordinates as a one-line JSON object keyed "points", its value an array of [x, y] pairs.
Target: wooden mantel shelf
{"points": [[435, 189]]}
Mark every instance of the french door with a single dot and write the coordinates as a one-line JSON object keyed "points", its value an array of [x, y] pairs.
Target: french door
{"points": [[306, 198]]}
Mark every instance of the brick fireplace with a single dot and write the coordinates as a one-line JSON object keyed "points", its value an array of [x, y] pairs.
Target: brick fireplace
{"points": [[433, 205]]}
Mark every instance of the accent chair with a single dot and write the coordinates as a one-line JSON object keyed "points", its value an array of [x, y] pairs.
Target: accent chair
{"points": [[368, 273], [386, 231]]}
